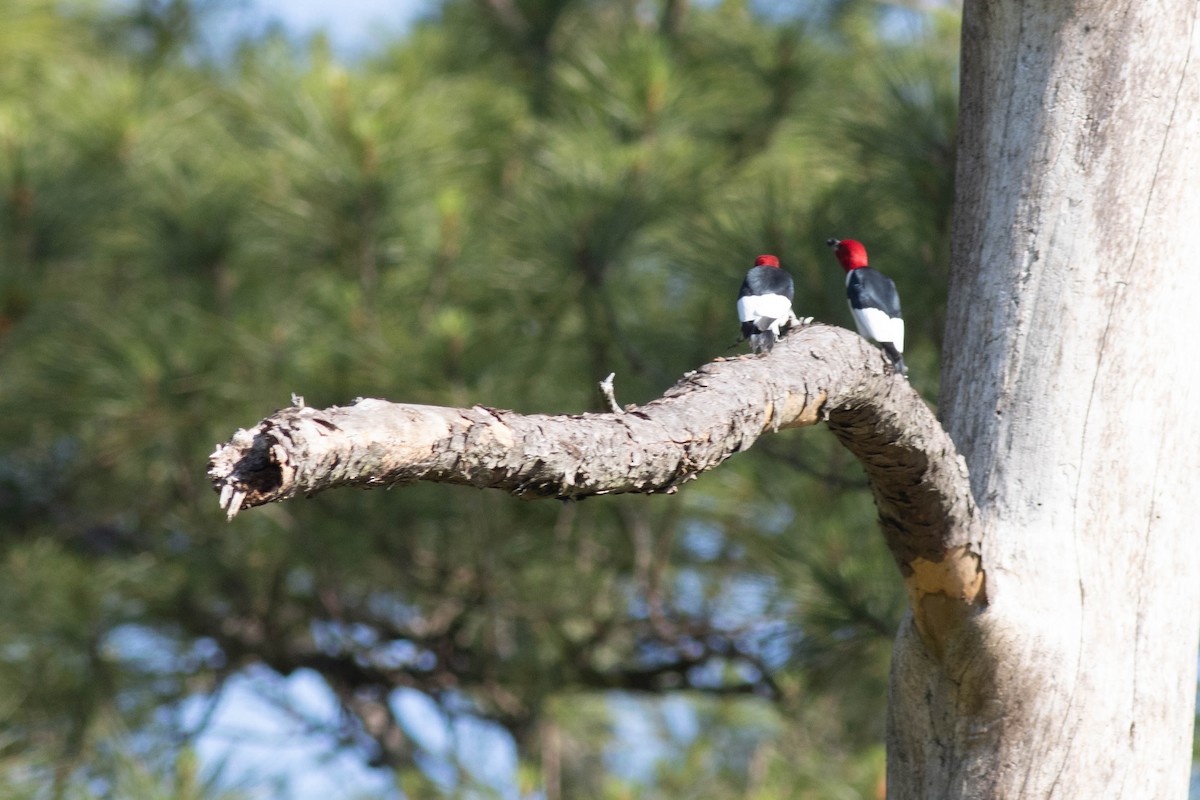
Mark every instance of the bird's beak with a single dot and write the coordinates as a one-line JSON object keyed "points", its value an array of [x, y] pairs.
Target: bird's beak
{"points": [[832, 242]]}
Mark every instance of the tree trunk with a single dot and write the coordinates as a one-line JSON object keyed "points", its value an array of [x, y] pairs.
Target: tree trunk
{"points": [[1071, 389]]}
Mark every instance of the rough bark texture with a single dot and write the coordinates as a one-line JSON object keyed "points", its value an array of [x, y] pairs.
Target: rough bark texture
{"points": [[1070, 386], [815, 373]]}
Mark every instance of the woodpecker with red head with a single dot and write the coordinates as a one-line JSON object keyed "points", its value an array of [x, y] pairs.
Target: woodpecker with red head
{"points": [[765, 304], [874, 301]]}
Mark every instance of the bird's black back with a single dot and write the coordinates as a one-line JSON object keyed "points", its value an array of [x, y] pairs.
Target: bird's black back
{"points": [[768, 280], [868, 288]]}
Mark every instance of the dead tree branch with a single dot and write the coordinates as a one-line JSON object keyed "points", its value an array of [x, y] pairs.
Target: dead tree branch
{"points": [[817, 373]]}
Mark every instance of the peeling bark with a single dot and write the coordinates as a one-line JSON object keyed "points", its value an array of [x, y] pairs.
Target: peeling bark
{"points": [[816, 373]]}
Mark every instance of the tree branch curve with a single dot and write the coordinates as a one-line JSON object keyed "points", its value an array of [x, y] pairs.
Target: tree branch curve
{"points": [[816, 373]]}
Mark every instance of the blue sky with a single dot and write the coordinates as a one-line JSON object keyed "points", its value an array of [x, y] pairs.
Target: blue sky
{"points": [[348, 23], [352, 26]]}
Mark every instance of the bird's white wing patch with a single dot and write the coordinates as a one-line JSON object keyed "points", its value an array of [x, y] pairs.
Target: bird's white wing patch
{"points": [[756, 306], [875, 324]]}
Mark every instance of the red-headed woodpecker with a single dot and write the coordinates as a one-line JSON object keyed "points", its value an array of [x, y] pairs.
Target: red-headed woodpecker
{"points": [[874, 301], [765, 304]]}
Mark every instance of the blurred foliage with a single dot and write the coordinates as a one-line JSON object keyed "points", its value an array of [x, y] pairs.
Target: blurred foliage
{"points": [[502, 207]]}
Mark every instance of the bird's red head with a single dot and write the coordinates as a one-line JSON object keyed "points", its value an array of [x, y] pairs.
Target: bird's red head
{"points": [[850, 254], [766, 261]]}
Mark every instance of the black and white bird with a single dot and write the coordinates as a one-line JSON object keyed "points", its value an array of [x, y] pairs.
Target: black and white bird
{"points": [[874, 301], [765, 304]]}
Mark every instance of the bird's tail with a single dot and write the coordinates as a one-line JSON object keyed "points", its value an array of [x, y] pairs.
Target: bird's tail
{"points": [[760, 332], [896, 357], [763, 342]]}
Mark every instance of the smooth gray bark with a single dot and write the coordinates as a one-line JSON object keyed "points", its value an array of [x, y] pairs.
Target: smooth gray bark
{"points": [[1070, 386]]}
